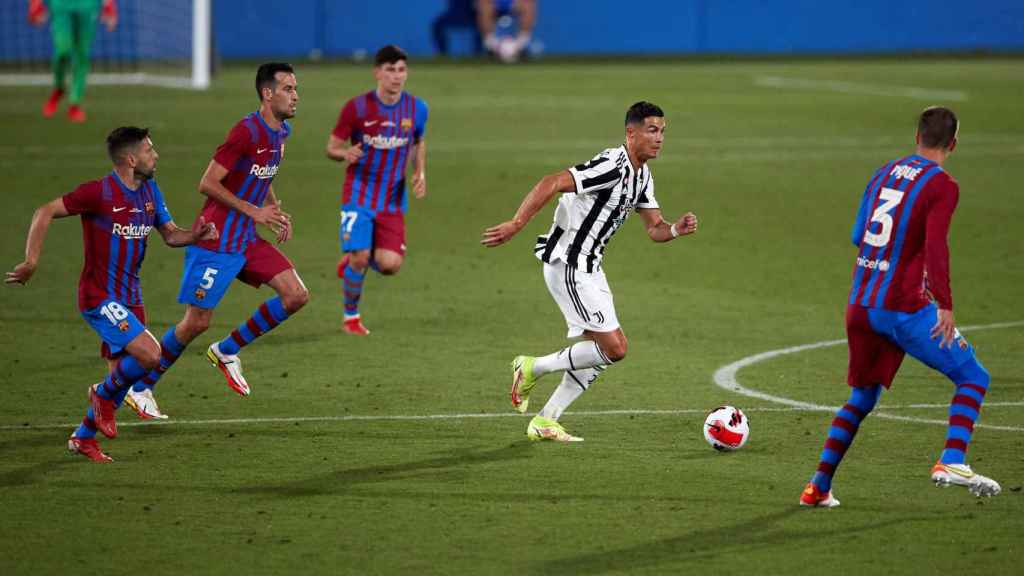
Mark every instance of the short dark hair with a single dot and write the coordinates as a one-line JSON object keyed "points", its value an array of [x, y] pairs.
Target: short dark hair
{"points": [[266, 76], [389, 54], [123, 138], [637, 112], [937, 127]]}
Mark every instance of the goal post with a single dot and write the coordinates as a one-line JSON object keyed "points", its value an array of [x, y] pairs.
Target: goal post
{"points": [[166, 43]]}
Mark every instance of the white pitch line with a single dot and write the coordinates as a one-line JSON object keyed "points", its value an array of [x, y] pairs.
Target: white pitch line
{"points": [[725, 377], [843, 87], [467, 416]]}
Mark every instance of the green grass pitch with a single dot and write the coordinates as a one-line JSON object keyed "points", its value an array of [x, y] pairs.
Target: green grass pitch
{"points": [[314, 472]]}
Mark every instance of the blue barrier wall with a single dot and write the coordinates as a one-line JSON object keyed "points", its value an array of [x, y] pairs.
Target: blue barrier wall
{"points": [[341, 28]]}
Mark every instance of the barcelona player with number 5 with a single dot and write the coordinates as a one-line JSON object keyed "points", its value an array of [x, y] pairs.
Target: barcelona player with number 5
{"points": [[118, 212], [239, 195], [376, 133], [901, 266]]}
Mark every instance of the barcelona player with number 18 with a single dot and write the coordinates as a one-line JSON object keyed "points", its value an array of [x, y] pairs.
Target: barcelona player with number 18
{"points": [[118, 212]]}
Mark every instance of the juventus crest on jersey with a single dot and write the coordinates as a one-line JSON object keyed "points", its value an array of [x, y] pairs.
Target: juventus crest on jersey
{"points": [[608, 189]]}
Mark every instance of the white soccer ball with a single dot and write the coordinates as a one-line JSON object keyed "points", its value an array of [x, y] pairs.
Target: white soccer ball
{"points": [[508, 50], [726, 428]]}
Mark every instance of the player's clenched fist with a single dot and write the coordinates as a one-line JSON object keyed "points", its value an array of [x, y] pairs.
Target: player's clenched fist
{"points": [[687, 224]]}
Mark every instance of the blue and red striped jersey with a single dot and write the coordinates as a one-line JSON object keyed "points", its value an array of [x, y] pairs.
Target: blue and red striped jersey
{"points": [[901, 233], [115, 223], [377, 181], [252, 154]]}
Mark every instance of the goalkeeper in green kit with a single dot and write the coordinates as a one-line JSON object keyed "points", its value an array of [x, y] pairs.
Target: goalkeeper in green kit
{"points": [[72, 26]]}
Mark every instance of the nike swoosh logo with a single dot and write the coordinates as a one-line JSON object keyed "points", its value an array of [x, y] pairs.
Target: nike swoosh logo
{"points": [[370, 123], [261, 150], [115, 209]]}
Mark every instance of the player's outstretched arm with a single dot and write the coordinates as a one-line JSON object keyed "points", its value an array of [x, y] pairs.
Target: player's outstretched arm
{"points": [[211, 185], [177, 237], [659, 230], [36, 236], [543, 192]]}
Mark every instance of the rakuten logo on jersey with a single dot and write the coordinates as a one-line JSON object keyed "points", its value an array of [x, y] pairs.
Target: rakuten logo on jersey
{"points": [[263, 172], [882, 265], [385, 143], [131, 231]]}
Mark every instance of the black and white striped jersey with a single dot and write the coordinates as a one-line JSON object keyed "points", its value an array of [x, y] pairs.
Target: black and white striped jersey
{"points": [[608, 189]]}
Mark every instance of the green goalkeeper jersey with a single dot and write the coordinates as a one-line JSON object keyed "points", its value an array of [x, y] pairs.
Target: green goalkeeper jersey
{"points": [[73, 5]]}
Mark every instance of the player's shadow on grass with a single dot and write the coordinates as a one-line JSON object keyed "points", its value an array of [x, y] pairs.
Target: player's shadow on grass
{"points": [[35, 473], [726, 541], [340, 480]]}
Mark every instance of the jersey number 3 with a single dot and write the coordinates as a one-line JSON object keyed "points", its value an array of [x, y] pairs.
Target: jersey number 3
{"points": [[890, 199]]}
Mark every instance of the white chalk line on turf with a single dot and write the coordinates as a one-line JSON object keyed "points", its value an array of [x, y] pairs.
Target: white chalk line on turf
{"points": [[844, 87], [725, 377], [466, 416]]}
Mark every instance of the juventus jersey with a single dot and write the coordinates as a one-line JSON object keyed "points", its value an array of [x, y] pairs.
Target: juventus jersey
{"points": [[608, 189]]}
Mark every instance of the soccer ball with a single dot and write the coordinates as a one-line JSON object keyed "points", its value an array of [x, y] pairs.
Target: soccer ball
{"points": [[508, 50], [726, 428]]}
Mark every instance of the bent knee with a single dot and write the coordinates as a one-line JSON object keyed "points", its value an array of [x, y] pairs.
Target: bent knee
{"points": [[359, 261], [193, 327], [150, 359], [615, 352], [295, 300], [389, 268]]}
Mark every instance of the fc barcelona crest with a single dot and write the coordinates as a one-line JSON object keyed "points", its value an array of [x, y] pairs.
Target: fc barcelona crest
{"points": [[406, 123], [123, 326], [149, 207], [200, 293]]}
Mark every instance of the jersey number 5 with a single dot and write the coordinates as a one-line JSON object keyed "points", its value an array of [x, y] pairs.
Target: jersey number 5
{"points": [[890, 199]]}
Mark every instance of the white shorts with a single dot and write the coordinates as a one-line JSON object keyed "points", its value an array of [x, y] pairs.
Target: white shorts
{"points": [[585, 299]]}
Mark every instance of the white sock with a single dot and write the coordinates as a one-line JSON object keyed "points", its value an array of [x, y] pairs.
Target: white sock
{"points": [[574, 383], [522, 41], [585, 354]]}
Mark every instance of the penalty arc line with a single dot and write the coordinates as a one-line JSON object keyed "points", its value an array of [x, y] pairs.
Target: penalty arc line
{"points": [[725, 377]]}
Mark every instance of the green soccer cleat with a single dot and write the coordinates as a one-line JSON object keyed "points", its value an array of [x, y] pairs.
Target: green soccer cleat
{"points": [[522, 382], [542, 428]]}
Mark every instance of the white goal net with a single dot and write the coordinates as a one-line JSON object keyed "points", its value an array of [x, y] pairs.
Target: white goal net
{"points": [[158, 42]]}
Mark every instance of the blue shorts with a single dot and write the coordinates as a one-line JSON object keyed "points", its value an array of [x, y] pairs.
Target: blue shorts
{"points": [[356, 229], [912, 333], [116, 324], [208, 275]]}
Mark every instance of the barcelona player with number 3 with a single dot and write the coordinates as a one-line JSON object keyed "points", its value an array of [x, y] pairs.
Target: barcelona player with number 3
{"points": [[118, 212], [239, 195], [376, 133], [901, 232]]}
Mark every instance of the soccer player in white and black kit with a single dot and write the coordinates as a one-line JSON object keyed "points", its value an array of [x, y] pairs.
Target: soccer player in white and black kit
{"points": [[597, 198]]}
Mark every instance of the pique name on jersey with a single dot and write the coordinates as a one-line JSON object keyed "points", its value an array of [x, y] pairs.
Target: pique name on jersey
{"points": [[905, 171], [131, 231], [385, 142], [263, 172]]}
